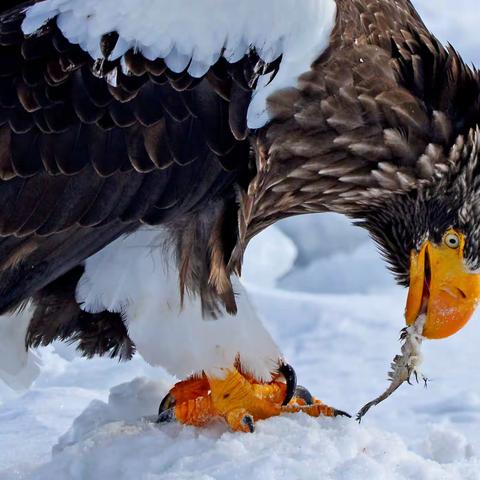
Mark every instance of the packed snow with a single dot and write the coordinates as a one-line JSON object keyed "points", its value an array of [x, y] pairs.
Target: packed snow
{"points": [[297, 30], [332, 307]]}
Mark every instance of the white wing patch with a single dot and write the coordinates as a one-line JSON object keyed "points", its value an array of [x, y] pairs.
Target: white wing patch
{"points": [[195, 33], [136, 275]]}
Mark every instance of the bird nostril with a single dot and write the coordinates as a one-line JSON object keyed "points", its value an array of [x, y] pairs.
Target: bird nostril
{"points": [[455, 292], [462, 293]]}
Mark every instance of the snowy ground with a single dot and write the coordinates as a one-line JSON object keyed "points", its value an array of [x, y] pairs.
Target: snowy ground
{"points": [[336, 314], [340, 343]]}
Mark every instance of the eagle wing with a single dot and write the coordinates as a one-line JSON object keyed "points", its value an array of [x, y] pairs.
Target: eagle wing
{"points": [[89, 151]]}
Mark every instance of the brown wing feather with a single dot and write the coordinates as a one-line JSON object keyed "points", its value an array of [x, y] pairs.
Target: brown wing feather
{"points": [[378, 113], [83, 161], [58, 316]]}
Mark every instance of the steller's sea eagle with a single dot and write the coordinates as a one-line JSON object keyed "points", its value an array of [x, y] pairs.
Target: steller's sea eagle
{"points": [[143, 143]]}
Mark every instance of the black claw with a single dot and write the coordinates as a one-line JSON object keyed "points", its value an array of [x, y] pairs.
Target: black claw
{"points": [[341, 413], [248, 421], [166, 416], [167, 403], [302, 393], [291, 378]]}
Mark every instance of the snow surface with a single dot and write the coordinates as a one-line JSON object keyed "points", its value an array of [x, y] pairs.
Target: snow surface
{"points": [[196, 32], [340, 340], [340, 344]]}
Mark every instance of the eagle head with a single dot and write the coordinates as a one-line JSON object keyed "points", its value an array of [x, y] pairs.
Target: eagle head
{"points": [[430, 236]]}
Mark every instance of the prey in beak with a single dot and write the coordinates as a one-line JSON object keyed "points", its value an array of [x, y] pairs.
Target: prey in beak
{"points": [[442, 297], [441, 287]]}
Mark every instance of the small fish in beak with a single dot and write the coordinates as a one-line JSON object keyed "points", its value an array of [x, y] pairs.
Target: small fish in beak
{"points": [[404, 365]]}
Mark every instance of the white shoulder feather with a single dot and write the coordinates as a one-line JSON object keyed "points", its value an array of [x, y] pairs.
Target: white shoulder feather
{"points": [[194, 34]]}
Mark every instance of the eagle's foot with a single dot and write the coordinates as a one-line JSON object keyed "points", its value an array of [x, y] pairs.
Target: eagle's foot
{"points": [[239, 400]]}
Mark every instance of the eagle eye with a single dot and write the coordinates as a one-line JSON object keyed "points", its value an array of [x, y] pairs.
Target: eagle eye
{"points": [[452, 240]]}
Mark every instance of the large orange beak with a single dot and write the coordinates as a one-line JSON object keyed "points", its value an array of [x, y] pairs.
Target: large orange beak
{"points": [[442, 288]]}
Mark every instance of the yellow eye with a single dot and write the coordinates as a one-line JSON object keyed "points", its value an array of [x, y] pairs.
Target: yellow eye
{"points": [[452, 240]]}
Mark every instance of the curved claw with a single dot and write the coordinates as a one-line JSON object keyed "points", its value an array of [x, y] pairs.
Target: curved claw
{"points": [[247, 420], [303, 394], [340, 413], [166, 416], [167, 403], [291, 378]]}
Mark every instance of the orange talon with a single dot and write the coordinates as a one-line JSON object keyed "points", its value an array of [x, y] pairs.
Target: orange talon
{"points": [[191, 388], [239, 420], [236, 392], [238, 399], [197, 412], [273, 392], [316, 410]]}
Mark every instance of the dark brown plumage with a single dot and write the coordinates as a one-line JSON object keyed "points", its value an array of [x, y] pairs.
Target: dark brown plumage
{"points": [[97, 334], [78, 153], [384, 113]]}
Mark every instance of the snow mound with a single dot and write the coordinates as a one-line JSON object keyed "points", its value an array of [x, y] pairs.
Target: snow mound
{"points": [[334, 274], [269, 257], [446, 446], [105, 442], [320, 236]]}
